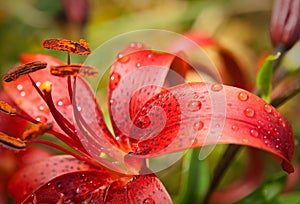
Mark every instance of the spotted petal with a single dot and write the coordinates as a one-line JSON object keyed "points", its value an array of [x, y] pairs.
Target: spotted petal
{"points": [[197, 114], [136, 76], [65, 179]]}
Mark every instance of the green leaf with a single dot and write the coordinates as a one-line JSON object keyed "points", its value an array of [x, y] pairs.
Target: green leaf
{"points": [[265, 76], [195, 180], [290, 198], [267, 192]]}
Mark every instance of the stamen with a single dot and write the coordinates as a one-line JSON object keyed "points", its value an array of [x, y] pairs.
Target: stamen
{"points": [[23, 69], [73, 70], [80, 47], [12, 142], [6, 108], [46, 87], [36, 130]]}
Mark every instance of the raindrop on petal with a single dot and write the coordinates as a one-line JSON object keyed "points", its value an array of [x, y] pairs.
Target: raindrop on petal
{"points": [[234, 128], [216, 87], [138, 64], [281, 122], [19, 87], [268, 108], [243, 96], [122, 58], [198, 126], [149, 56], [254, 132], [114, 80], [249, 112], [41, 119], [23, 93], [149, 201], [194, 106]]}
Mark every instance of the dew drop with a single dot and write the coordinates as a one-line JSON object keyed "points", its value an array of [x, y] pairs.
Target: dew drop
{"points": [[112, 102], [41, 119], [245, 140], [149, 201], [22, 93], [138, 64], [149, 56], [260, 124], [42, 108], [234, 128], [268, 108], [60, 103], [122, 58], [216, 87], [38, 83], [198, 126], [243, 96], [281, 122], [194, 106], [114, 80], [79, 108], [194, 141], [254, 132], [19, 87], [249, 112]]}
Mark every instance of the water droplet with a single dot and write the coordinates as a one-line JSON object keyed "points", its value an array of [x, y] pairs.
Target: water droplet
{"points": [[19, 87], [281, 122], [23, 93], [138, 64], [42, 108], [60, 103], [79, 108], [234, 128], [112, 102], [198, 126], [254, 132], [196, 96], [149, 56], [149, 201], [249, 112], [59, 186], [260, 124], [277, 146], [122, 58], [216, 87], [38, 83], [268, 108], [41, 119], [194, 106], [243, 96], [245, 140], [114, 80], [194, 141]]}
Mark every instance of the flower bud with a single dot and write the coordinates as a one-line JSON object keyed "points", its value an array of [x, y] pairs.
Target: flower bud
{"points": [[285, 23]]}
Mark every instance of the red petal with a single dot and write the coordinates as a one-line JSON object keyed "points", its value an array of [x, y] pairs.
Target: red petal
{"points": [[27, 98], [135, 68], [7, 122], [199, 114], [63, 178], [32, 177]]}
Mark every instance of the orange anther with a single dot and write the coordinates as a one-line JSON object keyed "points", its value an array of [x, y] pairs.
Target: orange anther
{"points": [[6, 108], [80, 47], [73, 70], [23, 69], [12, 142]]}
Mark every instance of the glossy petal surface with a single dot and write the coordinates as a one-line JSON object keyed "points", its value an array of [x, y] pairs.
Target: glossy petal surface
{"points": [[196, 120], [65, 179]]}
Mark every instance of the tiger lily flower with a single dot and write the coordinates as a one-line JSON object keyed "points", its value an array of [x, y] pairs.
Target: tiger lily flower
{"points": [[149, 119]]}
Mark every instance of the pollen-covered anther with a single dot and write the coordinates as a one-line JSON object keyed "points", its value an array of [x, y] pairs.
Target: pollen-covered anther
{"points": [[80, 47], [73, 70], [46, 86], [6, 108], [36, 130], [12, 142], [24, 69]]}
